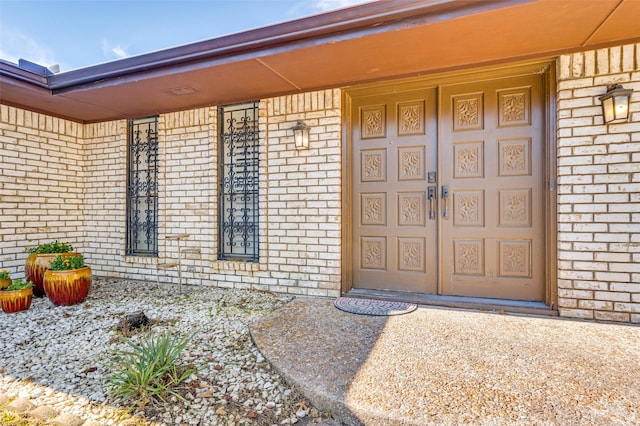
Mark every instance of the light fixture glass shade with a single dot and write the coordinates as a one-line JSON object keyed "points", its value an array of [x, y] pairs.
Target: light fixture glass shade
{"points": [[615, 103], [301, 134]]}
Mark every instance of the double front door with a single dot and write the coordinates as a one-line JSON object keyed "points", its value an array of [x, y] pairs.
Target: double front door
{"points": [[447, 189]]}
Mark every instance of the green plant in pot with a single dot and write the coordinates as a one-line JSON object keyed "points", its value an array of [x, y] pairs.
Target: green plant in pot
{"points": [[68, 280], [38, 262], [5, 279], [17, 297]]}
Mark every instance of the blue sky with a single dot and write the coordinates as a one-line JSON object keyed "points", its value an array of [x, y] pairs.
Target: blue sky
{"points": [[79, 33]]}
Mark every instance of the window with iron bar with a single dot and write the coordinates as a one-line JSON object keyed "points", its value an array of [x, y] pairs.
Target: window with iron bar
{"points": [[238, 213], [142, 187]]}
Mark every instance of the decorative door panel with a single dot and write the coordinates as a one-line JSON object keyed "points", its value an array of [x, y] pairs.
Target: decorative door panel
{"points": [[394, 236], [492, 220]]}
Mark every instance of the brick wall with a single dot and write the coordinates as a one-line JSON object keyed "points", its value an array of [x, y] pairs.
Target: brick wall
{"points": [[303, 189], [300, 193], [186, 182], [598, 188], [79, 195], [41, 184], [105, 156]]}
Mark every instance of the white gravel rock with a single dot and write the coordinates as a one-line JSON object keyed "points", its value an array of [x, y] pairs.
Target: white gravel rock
{"points": [[59, 356]]}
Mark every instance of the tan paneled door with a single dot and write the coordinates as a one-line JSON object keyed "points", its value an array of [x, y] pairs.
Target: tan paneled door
{"points": [[492, 220], [450, 202], [394, 238]]}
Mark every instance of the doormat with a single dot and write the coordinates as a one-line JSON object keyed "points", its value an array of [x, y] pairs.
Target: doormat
{"points": [[373, 307]]}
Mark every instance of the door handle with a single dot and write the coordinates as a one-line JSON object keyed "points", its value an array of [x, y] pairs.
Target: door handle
{"points": [[431, 196], [445, 201]]}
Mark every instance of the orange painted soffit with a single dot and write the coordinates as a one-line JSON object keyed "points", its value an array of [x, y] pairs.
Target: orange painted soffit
{"points": [[371, 42]]}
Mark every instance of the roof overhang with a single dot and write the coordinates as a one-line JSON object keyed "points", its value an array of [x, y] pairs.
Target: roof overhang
{"points": [[370, 42]]}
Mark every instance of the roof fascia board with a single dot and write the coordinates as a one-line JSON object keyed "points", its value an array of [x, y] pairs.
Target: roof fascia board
{"points": [[338, 25], [9, 71]]}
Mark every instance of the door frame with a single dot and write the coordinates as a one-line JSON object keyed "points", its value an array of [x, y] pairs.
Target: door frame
{"points": [[546, 68]]}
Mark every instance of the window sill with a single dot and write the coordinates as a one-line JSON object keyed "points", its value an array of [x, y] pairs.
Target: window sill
{"points": [[141, 260], [226, 265]]}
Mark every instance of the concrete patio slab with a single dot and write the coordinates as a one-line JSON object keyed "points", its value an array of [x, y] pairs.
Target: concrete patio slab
{"points": [[445, 366]]}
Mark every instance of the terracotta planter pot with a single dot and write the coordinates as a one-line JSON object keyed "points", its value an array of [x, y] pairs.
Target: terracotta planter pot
{"points": [[69, 287], [37, 265], [4, 283], [16, 300]]}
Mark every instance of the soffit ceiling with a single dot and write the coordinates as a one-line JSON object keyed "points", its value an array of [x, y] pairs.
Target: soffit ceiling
{"points": [[371, 42]]}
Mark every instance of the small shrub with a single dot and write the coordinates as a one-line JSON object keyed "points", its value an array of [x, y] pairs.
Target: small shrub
{"points": [[52, 247], [4, 275], [151, 370], [65, 263], [19, 284]]}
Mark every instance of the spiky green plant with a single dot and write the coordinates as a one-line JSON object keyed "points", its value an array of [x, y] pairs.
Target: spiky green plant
{"points": [[149, 371]]}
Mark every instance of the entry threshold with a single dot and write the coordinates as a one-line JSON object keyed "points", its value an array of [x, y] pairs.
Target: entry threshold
{"points": [[458, 302]]}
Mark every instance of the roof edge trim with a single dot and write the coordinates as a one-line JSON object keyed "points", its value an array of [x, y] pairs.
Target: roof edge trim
{"points": [[14, 72], [316, 26]]}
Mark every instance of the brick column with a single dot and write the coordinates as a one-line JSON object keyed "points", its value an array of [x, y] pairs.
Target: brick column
{"points": [[598, 188]]}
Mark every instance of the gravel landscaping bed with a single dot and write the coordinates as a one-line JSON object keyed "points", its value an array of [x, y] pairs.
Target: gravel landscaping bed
{"points": [[59, 356]]}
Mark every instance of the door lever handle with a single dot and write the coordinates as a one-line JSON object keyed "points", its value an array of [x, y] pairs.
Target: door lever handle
{"points": [[431, 196], [445, 201]]}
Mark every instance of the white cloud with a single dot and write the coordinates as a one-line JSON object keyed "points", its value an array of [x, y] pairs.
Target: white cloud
{"points": [[326, 5], [113, 52], [16, 46], [119, 51]]}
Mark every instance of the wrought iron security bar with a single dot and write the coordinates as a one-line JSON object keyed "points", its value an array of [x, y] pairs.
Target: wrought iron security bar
{"points": [[238, 201], [142, 187]]}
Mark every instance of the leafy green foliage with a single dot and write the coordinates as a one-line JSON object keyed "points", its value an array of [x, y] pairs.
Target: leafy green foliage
{"points": [[4, 274], [151, 370], [19, 284], [64, 263], [52, 247]]}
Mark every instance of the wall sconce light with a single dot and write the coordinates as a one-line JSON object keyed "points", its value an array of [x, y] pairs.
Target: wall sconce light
{"points": [[615, 103], [301, 134]]}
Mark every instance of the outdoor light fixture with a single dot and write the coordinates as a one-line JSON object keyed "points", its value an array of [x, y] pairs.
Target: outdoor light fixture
{"points": [[615, 103], [301, 134]]}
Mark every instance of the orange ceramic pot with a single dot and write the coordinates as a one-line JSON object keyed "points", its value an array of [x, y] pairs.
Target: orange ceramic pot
{"points": [[16, 300], [37, 265], [69, 287], [4, 283]]}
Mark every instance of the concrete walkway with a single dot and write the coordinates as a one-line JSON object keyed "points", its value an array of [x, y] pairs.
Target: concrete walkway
{"points": [[441, 366]]}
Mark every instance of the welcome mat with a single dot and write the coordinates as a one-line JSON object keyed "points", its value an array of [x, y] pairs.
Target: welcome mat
{"points": [[373, 307]]}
